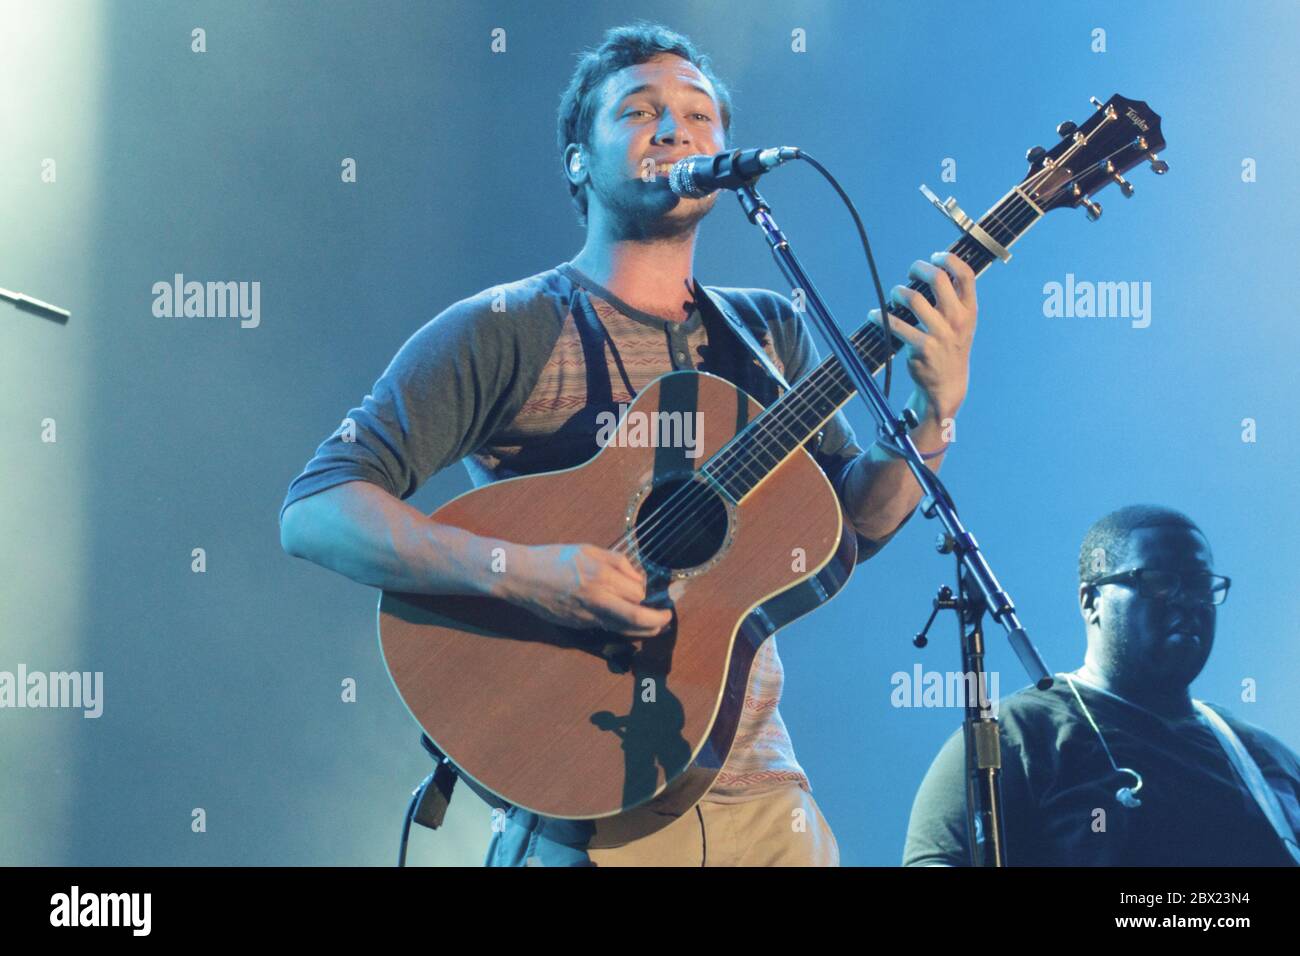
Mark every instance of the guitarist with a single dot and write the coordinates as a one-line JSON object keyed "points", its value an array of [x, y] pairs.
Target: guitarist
{"points": [[511, 381]]}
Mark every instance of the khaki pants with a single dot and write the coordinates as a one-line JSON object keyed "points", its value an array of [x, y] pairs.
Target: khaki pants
{"points": [[780, 827]]}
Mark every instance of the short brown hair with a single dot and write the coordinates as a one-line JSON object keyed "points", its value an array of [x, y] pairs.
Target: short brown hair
{"points": [[622, 47]]}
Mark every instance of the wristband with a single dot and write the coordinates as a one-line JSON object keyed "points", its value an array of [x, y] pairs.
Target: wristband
{"points": [[895, 453]]}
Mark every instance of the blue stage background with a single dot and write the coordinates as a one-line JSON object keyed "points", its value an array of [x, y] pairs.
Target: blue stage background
{"points": [[223, 688]]}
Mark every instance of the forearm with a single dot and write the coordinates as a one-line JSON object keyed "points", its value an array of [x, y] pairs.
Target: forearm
{"points": [[880, 490], [364, 533]]}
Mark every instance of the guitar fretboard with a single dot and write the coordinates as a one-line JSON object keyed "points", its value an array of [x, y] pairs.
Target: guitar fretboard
{"points": [[796, 417]]}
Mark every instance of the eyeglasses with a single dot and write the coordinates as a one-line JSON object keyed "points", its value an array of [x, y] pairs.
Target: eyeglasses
{"points": [[1166, 585]]}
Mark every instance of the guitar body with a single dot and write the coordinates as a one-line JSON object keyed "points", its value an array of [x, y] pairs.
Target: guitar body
{"points": [[586, 724]]}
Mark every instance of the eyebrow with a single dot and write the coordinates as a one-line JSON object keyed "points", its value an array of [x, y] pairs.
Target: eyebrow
{"points": [[651, 86]]}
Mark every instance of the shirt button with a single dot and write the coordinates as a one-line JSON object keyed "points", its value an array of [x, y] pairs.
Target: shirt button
{"points": [[681, 356]]}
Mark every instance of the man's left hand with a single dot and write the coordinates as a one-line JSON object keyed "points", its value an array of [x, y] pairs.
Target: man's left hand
{"points": [[938, 353]]}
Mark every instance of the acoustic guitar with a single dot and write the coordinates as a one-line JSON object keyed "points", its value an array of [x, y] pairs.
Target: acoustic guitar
{"points": [[738, 531]]}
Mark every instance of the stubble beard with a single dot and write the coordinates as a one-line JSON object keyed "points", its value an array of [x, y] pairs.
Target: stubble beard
{"points": [[640, 222]]}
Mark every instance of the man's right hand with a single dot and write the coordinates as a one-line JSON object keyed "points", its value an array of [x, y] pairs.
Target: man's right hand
{"points": [[582, 586]]}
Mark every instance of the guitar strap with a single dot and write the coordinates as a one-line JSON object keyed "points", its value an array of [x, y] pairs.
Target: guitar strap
{"points": [[1251, 776], [741, 331], [434, 795]]}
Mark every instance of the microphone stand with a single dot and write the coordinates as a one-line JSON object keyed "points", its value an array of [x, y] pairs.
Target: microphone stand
{"points": [[978, 587], [979, 726]]}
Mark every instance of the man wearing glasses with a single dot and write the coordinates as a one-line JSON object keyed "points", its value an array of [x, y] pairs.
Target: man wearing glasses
{"points": [[1117, 764]]}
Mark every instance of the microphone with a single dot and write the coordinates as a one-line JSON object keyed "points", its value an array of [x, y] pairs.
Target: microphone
{"points": [[696, 176]]}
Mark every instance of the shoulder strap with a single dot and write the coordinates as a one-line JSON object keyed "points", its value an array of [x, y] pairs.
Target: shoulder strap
{"points": [[737, 325], [742, 333], [593, 334], [1251, 775], [433, 796]]}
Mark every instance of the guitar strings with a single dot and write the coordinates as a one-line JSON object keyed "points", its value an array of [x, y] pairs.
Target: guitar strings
{"points": [[732, 456], [681, 498], [731, 460], [1021, 217], [664, 511], [873, 337]]}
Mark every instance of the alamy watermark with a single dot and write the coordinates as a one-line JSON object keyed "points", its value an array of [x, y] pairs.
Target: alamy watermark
{"points": [[944, 689], [1103, 300], [83, 690], [636, 429], [76, 908], [209, 300]]}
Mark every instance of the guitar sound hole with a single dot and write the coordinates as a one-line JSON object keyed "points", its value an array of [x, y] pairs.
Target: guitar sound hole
{"points": [[681, 524]]}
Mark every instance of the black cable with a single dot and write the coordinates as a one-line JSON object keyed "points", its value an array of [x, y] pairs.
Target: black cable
{"points": [[704, 838], [871, 261], [410, 815], [884, 313]]}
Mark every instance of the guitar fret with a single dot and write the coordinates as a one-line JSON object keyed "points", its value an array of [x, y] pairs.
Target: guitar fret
{"points": [[794, 418]]}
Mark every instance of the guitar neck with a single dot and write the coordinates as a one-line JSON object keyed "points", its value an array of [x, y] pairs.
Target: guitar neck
{"points": [[803, 410]]}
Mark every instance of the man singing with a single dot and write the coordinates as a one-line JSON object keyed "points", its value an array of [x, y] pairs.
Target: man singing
{"points": [[511, 380], [1116, 764]]}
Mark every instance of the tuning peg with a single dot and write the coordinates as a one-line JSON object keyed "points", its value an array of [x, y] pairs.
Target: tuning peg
{"points": [[1035, 153], [1096, 102], [1066, 129], [1093, 208], [1125, 187], [1158, 166]]}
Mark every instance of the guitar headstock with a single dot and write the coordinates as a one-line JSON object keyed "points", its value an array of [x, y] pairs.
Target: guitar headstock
{"points": [[1119, 135]]}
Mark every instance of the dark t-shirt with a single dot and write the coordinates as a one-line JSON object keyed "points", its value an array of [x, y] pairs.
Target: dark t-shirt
{"points": [[1058, 789]]}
